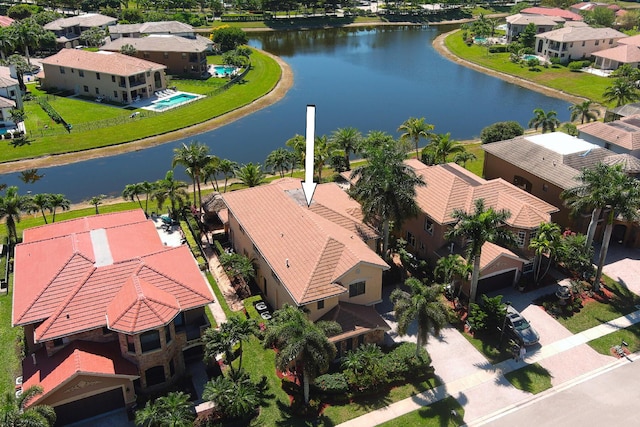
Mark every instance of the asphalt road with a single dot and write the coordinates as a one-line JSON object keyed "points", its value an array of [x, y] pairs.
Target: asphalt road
{"points": [[610, 398]]}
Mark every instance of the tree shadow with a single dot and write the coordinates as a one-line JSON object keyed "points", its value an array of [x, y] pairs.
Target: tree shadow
{"points": [[19, 142], [523, 378], [291, 420]]}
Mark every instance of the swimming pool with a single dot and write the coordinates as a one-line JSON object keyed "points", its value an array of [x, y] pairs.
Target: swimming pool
{"points": [[528, 57], [223, 70], [172, 101]]}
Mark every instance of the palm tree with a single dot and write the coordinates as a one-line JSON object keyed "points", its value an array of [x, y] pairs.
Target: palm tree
{"points": [[132, 192], [172, 189], [544, 243], [279, 161], [194, 158], [385, 188], [58, 201], [443, 146], [15, 411], [323, 150], [227, 168], [622, 91], [299, 341], [211, 171], [26, 33], [221, 341], [348, 140], [11, 206], [40, 202], [463, 157], [585, 111], [415, 129], [6, 42], [172, 410], [97, 201], [234, 399], [250, 175], [450, 267], [423, 305], [477, 228], [298, 144], [547, 120]]}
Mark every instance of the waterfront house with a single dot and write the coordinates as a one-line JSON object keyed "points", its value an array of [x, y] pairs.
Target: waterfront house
{"points": [[575, 43], [68, 30]]}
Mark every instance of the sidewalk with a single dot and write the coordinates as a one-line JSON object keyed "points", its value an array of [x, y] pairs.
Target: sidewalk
{"points": [[488, 384]]}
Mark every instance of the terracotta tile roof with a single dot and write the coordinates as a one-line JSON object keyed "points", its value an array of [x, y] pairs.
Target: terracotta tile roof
{"points": [[113, 63], [58, 281], [355, 320], [305, 248], [632, 40], [450, 187], [574, 34], [555, 157], [78, 358], [160, 43], [626, 54], [539, 20], [86, 20], [553, 11], [624, 133], [490, 254], [5, 21], [158, 27]]}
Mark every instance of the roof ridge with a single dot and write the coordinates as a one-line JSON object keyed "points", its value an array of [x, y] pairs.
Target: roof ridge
{"points": [[145, 265], [330, 243]]}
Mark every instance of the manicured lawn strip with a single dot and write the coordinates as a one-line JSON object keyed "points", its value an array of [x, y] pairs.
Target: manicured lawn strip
{"points": [[438, 414], [580, 84], [595, 313], [531, 378], [630, 335], [212, 319], [10, 342], [218, 293], [476, 166], [488, 346], [259, 81]]}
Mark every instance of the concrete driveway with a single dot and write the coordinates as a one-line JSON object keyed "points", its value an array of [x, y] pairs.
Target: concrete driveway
{"points": [[623, 265]]}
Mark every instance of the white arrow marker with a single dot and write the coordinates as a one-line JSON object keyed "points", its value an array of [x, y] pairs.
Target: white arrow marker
{"points": [[308, 186]]}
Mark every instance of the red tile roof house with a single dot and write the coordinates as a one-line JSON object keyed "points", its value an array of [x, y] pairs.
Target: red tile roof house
{"points": [[107, 311], [319, 258], [450, 187], [103, 75], [553, 11]]}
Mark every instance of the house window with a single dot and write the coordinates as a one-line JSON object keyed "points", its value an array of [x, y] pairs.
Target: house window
{"points": [[533, 234], [320, 304], [172, 368], [411, 239], [85, 88], [72, 71], [58, 342], [81, 73], [607, 145], [428, 226], [179, 320], [597, 42], [150, 341], [165, 55], [113, 79], [115, 93], [97, 76], [520, 238], [97, 91], [583, 43], [360, 340], [264, 282], [545, 187], [356, 289], [184, 55], [61, 70], [167, 334], [145, 54], [522, 183], [131, 344], [610, 41], [154, 376]]}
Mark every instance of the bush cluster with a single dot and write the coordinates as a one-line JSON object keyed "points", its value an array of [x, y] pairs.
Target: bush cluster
{"points": [[55, 116], [498, 48]]}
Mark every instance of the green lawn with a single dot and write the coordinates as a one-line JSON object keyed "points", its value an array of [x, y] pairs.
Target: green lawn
{"points": [[10, 344], [531, 378], [580, 84], [630, 335], [107, 124], [437, 414], [489, 346]]}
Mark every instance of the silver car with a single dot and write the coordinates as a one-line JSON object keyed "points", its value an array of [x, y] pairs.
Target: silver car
{"points": [[520, 328]]}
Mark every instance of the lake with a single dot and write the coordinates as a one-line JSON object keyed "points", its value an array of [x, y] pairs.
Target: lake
{"points": [[367, 78]]}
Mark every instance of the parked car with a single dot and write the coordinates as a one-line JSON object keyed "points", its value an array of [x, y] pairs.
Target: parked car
{"points": [[520, 328]]}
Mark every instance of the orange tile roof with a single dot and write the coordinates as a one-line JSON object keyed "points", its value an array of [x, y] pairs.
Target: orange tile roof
{"points": [[101, 62], [624, 133], [626, 54], [631, 40], [491, 252], [553, 11], [69, 281], [309, 249], [450, 187], [78, 358]]}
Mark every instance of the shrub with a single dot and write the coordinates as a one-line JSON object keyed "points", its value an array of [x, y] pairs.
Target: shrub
{"points": [[498, 48], [332, 383], [575, 66], [501, 131], [402, 361]]}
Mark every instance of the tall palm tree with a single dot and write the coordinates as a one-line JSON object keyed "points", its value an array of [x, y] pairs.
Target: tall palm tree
{"points": [[323, 150], [172, 410], [298, 144], [477, 228], [443, 146], [279, 161], [12, 205], [194, 157], [385, 188], [58, 201], [211, 171], [544, 243], [348, 140], [421, 304], [14, 410], [7, 43], [26, 33], [621, 201], [546, 120], [172, 189], [221, 341], [250, 174], [450, 267], [132, 192], [40, 202], [227, 168], [585, 111], [463, 157], [415, 129], [97, 201], [622, 91], [299, 341]]}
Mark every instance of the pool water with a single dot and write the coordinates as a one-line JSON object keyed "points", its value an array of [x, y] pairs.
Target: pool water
{"points": [[172, 101], [224, 70], [528, 57]]}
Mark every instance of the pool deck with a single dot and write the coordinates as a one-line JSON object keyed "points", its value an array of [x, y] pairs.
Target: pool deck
{"points": [[149, 103]]}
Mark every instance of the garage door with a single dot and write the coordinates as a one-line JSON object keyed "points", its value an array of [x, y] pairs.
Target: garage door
{"points": [[89, 407], [494, 283]]}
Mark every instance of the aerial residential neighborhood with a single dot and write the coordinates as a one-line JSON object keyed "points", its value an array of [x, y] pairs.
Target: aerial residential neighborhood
{"points": [[178, 246]]}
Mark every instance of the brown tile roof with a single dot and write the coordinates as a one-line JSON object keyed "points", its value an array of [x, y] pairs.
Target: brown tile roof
{"points": [[630, 164], [309, 249], [490, 254], [574, 34], [624, 133], [69, 280], [101, 62], [632, 40], [626, 54], [542, 156], [157, 27], [86, 20], [159, 43], [539, 20], [355, 320], [450, 187]]}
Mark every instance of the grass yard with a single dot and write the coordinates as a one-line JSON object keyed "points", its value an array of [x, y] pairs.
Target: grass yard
{"points": [[531, 378], [437, 414], [630, 335], [10, 344], [489, 347], [580, 84]]}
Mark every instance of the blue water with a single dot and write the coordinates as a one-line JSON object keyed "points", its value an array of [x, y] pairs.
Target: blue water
{"points": [[378, 78], [167, 103], [224, 70]]}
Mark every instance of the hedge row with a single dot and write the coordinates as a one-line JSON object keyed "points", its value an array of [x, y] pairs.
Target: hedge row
{"points": [[55, 116]]}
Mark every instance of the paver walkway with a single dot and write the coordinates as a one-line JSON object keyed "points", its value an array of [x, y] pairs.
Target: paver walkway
{"points": [[486, 390]]}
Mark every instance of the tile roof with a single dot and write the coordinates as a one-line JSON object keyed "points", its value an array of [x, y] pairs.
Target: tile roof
{"points": [[626, 54], [158, 27], [491, 252], [632, 40], [160, 43], [102, 62], [78, 358], [450, 187], [624, 133], [525, 19], [309, 249], [553, 11], [5, 21], [630, 164], [355, 319], [554, 157], [62, 279], [573, 34], [87, 20]]}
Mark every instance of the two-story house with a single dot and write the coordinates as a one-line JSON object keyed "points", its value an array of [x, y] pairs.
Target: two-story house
{"points": [[518, 22], [103, 75], [68, 30], [575, 43], [108, 311], [620, 136], [320, 258]]}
